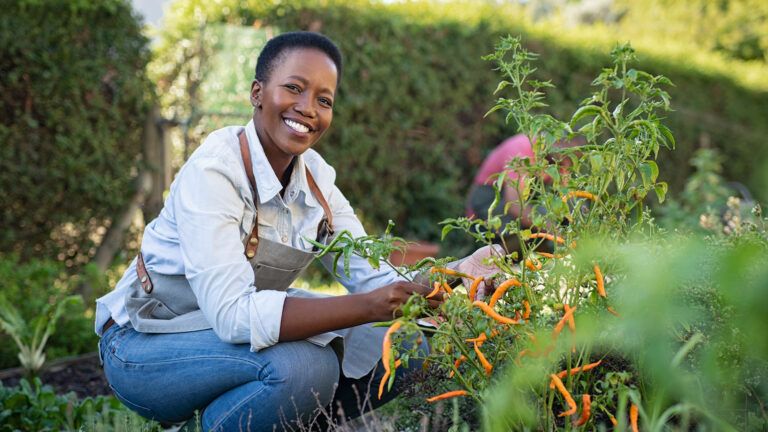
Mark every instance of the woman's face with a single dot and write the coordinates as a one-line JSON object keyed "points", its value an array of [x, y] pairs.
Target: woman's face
{"points": [[295, 107]]}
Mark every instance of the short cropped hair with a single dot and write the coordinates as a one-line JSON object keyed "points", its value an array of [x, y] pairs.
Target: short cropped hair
{"points": [[279, 45]]}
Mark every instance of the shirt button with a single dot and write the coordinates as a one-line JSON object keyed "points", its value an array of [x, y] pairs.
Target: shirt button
{"points": [[285, 239]]}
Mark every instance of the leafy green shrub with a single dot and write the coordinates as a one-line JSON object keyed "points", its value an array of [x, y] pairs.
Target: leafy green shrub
{"points": [[33, 287], [35, 407], [415, 91], [73, 100], [679, 350]]}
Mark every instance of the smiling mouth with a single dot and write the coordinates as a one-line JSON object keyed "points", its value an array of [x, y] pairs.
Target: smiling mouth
{"points": [[298, 127]]}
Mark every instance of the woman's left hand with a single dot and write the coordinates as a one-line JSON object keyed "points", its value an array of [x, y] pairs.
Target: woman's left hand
{"points": [[478, 265]]}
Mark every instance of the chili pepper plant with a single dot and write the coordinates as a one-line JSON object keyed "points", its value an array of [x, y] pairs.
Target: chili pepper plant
{"points": [[545, 330]]}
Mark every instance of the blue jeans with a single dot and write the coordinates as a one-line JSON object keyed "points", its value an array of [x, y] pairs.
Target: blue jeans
{"points": [[167, 377]]}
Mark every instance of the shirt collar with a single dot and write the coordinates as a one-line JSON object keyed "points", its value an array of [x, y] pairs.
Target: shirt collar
{"points": [[267, 183]]}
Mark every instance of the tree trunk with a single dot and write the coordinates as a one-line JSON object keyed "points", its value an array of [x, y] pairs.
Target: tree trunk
{"points": [[113, 240]]}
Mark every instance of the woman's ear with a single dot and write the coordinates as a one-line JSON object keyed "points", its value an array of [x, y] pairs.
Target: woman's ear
{"points": [[256, 94]]}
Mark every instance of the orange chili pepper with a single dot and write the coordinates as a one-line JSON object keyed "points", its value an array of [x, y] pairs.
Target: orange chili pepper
{"points": [[613, 420], [549, 255], [456, 364], [501, 289], [547, 236], [482, 338], [562, 374], [447, 395], [449, 272], [386, 353], [447, 288], [386, 377], [492, 313], [579, 194], [529, 263], [586, 404], [483, 361], [527, 307], [435, 290], [568, 399], [600, 281], [383, 383], [612, 312], [571, 321], [633, 418], [559, 327], [473, 288]]}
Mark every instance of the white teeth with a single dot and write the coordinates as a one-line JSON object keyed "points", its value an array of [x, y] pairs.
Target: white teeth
{"points": [[298, 127]]}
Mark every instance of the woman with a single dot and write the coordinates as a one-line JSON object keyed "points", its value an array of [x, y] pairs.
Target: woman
{"points": [[204, 318]]}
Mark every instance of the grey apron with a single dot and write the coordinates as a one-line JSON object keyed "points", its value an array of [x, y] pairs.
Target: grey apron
{"points": [[159, 303]]}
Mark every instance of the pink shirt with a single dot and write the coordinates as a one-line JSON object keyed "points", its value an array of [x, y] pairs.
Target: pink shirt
{"points": [[516, 146]]}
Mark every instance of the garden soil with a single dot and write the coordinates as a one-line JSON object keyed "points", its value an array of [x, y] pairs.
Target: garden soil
{"points": [[82, 375]]}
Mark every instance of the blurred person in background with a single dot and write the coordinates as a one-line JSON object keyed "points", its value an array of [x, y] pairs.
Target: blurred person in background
{"points": [[481, 193]]}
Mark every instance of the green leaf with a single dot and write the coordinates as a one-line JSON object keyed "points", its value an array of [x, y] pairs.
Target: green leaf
{"points": [[446, 229], [661, 191], [589, 110], [596, 162], [492, 110], [502, 85], [649, 171], [619, 179], [669, 141]]}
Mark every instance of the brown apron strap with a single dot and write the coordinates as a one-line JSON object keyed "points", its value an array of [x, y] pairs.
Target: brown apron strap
{"points": [[321, 199], [141, 272], [253, 238], [326, 224]]}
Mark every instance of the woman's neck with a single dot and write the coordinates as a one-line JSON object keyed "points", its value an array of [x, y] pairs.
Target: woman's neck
{"points": [[280, 162]]}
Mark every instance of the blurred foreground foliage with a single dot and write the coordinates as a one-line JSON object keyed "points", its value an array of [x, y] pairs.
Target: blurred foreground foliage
{"points": [[690, 326]]}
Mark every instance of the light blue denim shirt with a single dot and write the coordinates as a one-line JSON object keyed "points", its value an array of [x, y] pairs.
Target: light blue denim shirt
{"points": [[201, 228]]}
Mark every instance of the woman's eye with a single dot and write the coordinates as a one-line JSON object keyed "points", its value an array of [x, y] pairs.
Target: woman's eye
{"points": [[293, 87], [326, 102]]}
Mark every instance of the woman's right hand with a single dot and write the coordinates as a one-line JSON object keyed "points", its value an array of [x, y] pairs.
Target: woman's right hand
{"points": [[387, 300]]}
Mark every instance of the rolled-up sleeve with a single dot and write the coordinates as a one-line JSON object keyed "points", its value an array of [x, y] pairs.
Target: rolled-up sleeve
{"points": [[209, 206]]}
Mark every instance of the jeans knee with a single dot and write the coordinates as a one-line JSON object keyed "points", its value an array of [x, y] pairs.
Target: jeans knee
{"points": [[309, 373]]}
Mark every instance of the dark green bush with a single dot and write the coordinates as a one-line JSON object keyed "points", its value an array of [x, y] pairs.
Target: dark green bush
{"points": [[73, 98], [409, 131]]}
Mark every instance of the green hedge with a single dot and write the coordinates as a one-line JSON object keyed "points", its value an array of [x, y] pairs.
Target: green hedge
{"points": [[409, 130], [73, 100]]}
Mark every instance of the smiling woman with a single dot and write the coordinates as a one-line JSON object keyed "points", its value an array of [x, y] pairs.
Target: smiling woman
{"points": [[204, 318]]}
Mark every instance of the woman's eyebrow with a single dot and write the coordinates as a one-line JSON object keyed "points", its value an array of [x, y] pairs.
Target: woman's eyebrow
{"points": [[306, 82]]}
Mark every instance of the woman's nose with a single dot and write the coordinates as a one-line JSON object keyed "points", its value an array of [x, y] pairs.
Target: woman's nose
{"points": [[304, 107]]}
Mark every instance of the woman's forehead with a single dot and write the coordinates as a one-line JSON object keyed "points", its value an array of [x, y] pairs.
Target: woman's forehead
{"points": [[308, 63]]}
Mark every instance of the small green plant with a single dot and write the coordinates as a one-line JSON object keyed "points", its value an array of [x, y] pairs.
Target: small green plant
{"points": [[31, 336], [32, 406]]}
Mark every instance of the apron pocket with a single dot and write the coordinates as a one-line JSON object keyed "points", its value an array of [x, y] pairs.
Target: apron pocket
{"points": [[273, 278]]}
